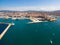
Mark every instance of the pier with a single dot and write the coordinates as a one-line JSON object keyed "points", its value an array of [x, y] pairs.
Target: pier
{"points": [[5, 30], [36, 20], [44, 19]]}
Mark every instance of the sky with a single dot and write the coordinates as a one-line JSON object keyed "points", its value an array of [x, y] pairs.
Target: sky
{"points": [[23, 5]]}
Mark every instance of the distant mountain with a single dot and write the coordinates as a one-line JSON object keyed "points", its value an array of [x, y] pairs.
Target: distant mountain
{"points": [[28, 11], [7, 11], [35, 11], [57, 11]]}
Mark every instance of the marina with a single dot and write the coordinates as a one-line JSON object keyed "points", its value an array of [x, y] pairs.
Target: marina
{"points": [[29, 22], [45, 33], [15, 17]]}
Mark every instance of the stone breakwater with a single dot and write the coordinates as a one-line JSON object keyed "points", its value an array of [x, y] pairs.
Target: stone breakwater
{"points": [[5, 30]]}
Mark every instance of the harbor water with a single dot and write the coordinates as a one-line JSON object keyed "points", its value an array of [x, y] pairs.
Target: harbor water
{"points": [[22, 33], [2, 27]]}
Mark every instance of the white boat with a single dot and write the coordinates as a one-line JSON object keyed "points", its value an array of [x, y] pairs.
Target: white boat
{"points": [[51, 41], [12, 23]]}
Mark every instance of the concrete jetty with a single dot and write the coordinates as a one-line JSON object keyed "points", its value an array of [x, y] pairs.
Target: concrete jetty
{"points": [[2, 34], [36, 20]]}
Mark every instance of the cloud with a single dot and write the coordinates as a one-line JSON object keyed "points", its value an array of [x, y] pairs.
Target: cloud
{"points": [[45, 8]]}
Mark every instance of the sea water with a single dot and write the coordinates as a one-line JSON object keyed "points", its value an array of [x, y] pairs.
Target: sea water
{"points": [[22, 33], [3, 27]]}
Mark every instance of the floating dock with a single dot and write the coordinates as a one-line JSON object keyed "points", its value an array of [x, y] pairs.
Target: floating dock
{"points": [[5, 30]]}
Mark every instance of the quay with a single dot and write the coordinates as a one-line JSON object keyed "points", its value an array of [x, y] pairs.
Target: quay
{"points": [[36, 20], [45, 19], [5, 30]]}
